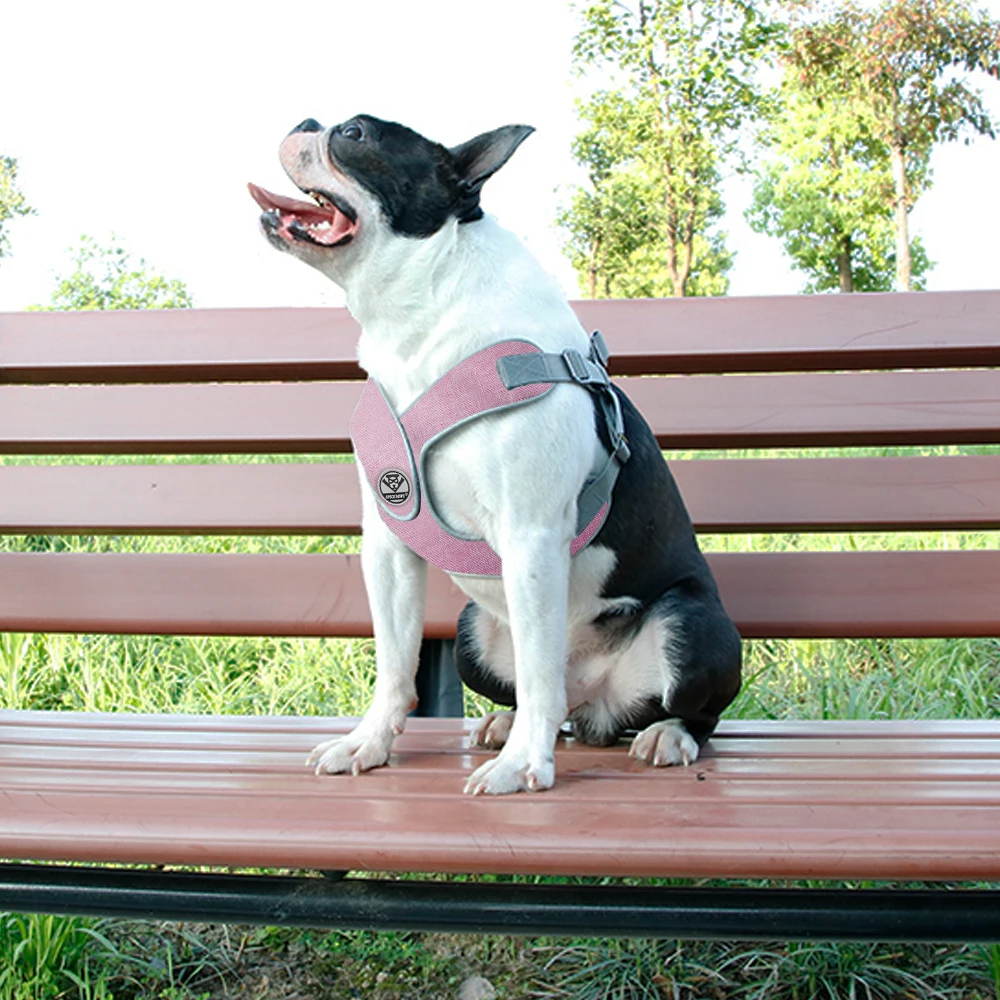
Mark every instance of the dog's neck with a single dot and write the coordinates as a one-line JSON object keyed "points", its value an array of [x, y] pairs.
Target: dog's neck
{"points": [[426, 304]]}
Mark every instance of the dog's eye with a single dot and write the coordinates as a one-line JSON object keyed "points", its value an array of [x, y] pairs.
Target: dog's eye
{"points": [[352, 131]]}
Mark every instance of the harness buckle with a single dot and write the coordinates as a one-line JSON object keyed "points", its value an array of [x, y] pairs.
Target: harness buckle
{"points": [[599, 349], [584, 372], [616, 430]]}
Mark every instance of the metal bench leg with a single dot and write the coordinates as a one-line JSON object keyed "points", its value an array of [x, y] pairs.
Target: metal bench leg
{"points": [[439, 687]]}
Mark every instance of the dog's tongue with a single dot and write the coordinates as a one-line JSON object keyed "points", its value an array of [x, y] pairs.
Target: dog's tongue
{"points": [[328, 226]]}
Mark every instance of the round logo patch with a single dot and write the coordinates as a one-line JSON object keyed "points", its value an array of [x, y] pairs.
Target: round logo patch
{"points": [[394, 487]]}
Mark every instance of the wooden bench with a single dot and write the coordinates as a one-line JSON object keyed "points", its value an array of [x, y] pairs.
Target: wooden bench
{"points": [[892, 800]]}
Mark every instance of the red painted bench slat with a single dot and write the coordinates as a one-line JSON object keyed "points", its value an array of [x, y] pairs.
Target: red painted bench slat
{"points": [[797, 594], [751, 411], [959, 492], [653, 336]]}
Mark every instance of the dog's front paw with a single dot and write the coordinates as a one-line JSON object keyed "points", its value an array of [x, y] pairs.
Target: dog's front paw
{"points": [[512, 772], [665, 743], [359, 751], [492, 730]]}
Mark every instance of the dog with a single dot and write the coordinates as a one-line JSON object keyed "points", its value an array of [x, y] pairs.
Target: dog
{"points": [[610, 632]]}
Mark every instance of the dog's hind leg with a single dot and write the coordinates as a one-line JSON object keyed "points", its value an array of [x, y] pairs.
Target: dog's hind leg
{"points": [[396, 581], [702, 657], [493, 730]]}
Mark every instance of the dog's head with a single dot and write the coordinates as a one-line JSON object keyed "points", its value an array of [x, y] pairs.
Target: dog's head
{"points": [[372, 181]]}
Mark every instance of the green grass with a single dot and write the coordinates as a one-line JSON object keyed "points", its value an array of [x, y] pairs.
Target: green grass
{"points": [[651, 970], [240, 676], [870, 679], [45, 957], [193, 963]]}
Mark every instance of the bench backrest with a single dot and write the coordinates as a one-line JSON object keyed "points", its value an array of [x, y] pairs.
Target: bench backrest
{"points": [[842, 372]]}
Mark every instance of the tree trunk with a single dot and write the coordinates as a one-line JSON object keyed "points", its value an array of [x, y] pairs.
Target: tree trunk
{"points": [[670, 248], [844, 265], [902, 218], [674, 244], [595, 249], [684, 271]]}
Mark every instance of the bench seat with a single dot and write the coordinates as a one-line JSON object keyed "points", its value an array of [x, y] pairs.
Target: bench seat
{"points": [[817, 800]]}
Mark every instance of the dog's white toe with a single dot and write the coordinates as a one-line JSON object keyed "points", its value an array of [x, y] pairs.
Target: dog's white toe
{"points": [[511, 773], [492, 730], [353, 753], [665, 743]]}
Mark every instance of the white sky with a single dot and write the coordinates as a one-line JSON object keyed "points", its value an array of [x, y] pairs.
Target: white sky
{"points": [[147, 120]]}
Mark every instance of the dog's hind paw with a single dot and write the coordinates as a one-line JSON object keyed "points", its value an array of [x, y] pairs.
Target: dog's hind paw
{"points": [[665, 743], [511, 773], [492, 730], [353, 753]]}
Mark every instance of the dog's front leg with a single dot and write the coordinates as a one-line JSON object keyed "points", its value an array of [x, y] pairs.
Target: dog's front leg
{"points": [[536, 589], [396, 582]]}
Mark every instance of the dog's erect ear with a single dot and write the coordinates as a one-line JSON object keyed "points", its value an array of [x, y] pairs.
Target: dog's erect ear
{"points": [[479, 159]]}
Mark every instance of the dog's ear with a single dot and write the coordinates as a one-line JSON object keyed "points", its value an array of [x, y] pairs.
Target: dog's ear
{"points": [[479, 159]]}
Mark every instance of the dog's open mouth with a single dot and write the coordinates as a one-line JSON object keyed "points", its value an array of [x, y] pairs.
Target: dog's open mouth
{"points": [[327, 221]]}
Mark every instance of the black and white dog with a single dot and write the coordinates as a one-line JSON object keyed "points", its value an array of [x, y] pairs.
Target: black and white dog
{"points": [[626, 634]]}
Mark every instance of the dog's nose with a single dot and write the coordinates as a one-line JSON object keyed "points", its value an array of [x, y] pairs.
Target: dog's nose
{"points": [[309, 125]]}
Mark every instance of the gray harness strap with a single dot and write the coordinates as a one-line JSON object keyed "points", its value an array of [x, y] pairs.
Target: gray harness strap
{"points": [[590, 372]]}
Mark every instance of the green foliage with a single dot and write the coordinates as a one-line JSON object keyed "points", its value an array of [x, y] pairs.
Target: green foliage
{"points": [[901, 68], [653, 146], [614, 227], [109, 278], [651, 970], [904, 62], [176, 674], [826, 191], [12, 202], [42, 957], [863, 679], [388, 964], [611, 970], [992, 954]]}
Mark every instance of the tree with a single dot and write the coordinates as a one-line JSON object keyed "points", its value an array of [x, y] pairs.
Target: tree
{"points": [[107, 278], [654, 145], [615, 226], [12, 202], [902, 68], [826, 191]]}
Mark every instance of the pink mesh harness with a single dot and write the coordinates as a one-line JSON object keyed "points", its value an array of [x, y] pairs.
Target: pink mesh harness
{"points": [[392, 448]]}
